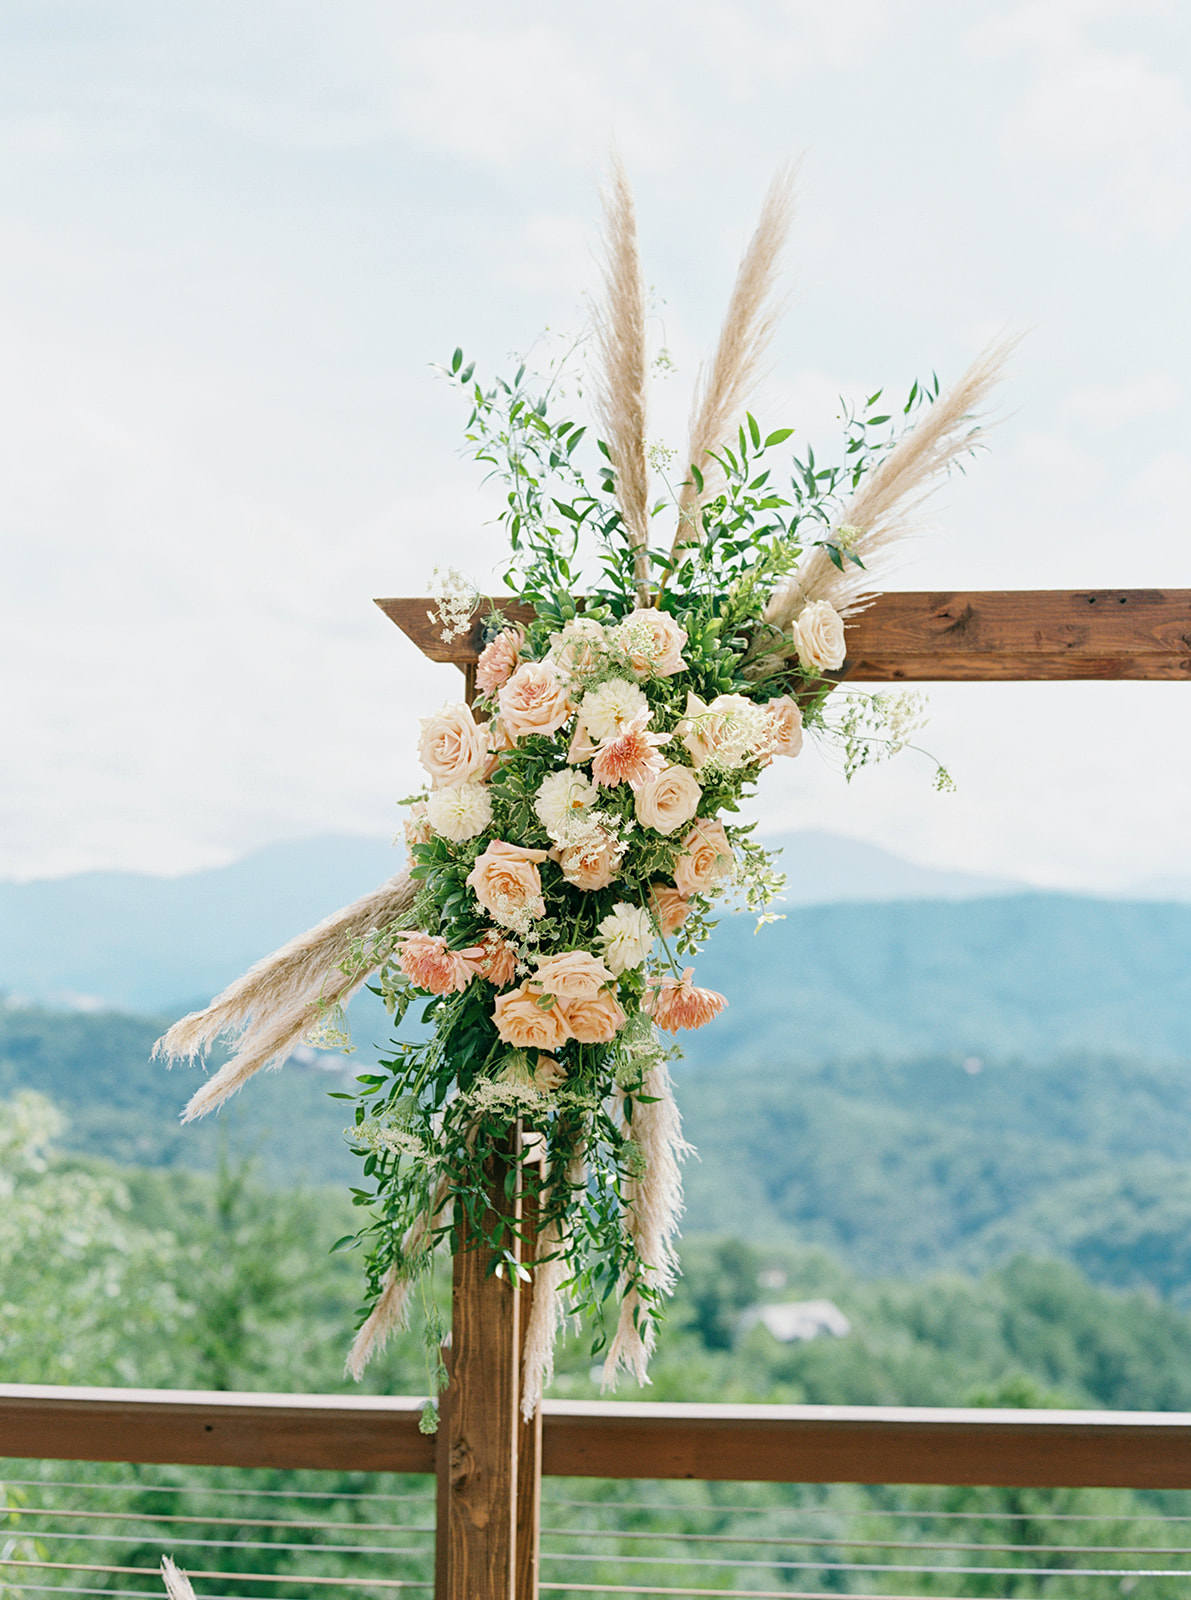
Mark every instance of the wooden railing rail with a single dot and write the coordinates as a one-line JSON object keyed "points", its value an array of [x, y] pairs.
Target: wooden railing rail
{"points": [[776, 1444]]}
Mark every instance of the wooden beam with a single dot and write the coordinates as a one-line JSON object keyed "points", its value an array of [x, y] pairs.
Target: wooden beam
{"points": [[613, 1439], [907, 637]]}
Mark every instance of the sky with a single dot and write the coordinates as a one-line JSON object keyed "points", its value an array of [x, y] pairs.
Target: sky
{"points": [[236, 237]]}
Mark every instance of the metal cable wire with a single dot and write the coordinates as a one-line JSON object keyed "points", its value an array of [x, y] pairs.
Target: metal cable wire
{"points": [[216, 1522], [179, 1488], [242, 1577], [849, 1511]]}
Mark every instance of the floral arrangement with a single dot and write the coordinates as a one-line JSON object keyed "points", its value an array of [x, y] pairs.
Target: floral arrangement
{"points": [[581, 823]]}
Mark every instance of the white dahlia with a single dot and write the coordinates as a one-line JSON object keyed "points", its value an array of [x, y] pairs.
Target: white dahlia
{"points": [[607, 710], [626, 935], [460, 813], [562, 798]]}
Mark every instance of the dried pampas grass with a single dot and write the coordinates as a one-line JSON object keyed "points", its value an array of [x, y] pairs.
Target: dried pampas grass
{"points": [[888, 501], [274, 1006], [654, 1207], [618, 398], [391, 1311], [722, 395], [177, 1584]]}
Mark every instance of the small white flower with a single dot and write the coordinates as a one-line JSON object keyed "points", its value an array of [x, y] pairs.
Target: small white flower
{"points": [[626, 935], [460, 813], [562, 798], [608, 709]]}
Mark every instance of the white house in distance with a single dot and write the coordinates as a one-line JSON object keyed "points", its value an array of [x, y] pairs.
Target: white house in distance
{"points": [[797, 1319]]}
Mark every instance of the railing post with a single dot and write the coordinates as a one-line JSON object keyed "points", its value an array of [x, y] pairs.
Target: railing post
{"points": [[489, 1459]]}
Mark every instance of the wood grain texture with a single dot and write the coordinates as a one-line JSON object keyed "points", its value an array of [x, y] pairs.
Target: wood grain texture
{"points": [[483, 1422], [971, 636], [361, 1433], [778, 1444], [830, 1444], [527, 1555]]}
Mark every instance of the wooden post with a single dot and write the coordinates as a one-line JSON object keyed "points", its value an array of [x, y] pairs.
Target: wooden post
{"points": [[489, 1458]]}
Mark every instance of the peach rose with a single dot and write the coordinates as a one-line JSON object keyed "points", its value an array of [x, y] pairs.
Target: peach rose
{"points": [[594, 1020], [534, 700], [594, 862], [494, 959], [582, 748], [675, 1003], [785, 726], [429, 964], [819, 637], [669, 908], [579, 649], [506, 883], [667, 801], [706, 858], [574, 975], [499, 659], [548, 1074], [526, 1019], [452, 748], [653, 642]]}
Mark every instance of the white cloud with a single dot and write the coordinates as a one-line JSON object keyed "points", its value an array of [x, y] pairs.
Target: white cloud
{"points": [[1106, 406], [1118, 124]]}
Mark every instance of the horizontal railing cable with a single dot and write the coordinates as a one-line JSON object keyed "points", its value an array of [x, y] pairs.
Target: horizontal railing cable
{"points": [[217, 1522], [865, 1544], [261, 1494], [240, 1577], [867, 1511]]}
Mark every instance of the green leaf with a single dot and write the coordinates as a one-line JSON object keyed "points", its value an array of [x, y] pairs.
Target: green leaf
{"points": [[754, 431], [456, 361], [778, 436]]}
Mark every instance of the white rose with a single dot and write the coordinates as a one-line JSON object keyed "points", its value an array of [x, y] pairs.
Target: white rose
{"points": [[452, 748], [561, 798], [626, 935], [606, 710], [819, 637], [459, 813], [670, 800]]}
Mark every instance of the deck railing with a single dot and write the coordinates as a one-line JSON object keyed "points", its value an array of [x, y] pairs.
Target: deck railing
{"points": [[725, 1538]]}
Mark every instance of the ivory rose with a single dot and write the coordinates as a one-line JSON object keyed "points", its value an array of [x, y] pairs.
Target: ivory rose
{"points": [[706, 858], [593, 1019], [452, 748], [574, 975], [819, 637], [675, 1003], [528, 1020], [670, 908], [725, 734], [534, 700], [507, 884], [498, 660], [653, 642], [667, 801], [785, 727], [429, 964]]}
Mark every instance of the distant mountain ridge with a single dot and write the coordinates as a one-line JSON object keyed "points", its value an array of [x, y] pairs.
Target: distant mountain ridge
{"points": [[143, 943]]}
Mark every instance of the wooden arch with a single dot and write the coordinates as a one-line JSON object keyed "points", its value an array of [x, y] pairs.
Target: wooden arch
{"points": [[488, 1459]]}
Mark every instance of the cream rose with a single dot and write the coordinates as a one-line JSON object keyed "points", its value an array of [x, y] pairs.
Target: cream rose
{"points": [[784, 734], [706, 858], [595, 1019], [653, 642], [574, 975], [506, 883], [452, 748], [534, 700], [548, 1075], [819, 637], [528, 1020], [669, 800]]}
